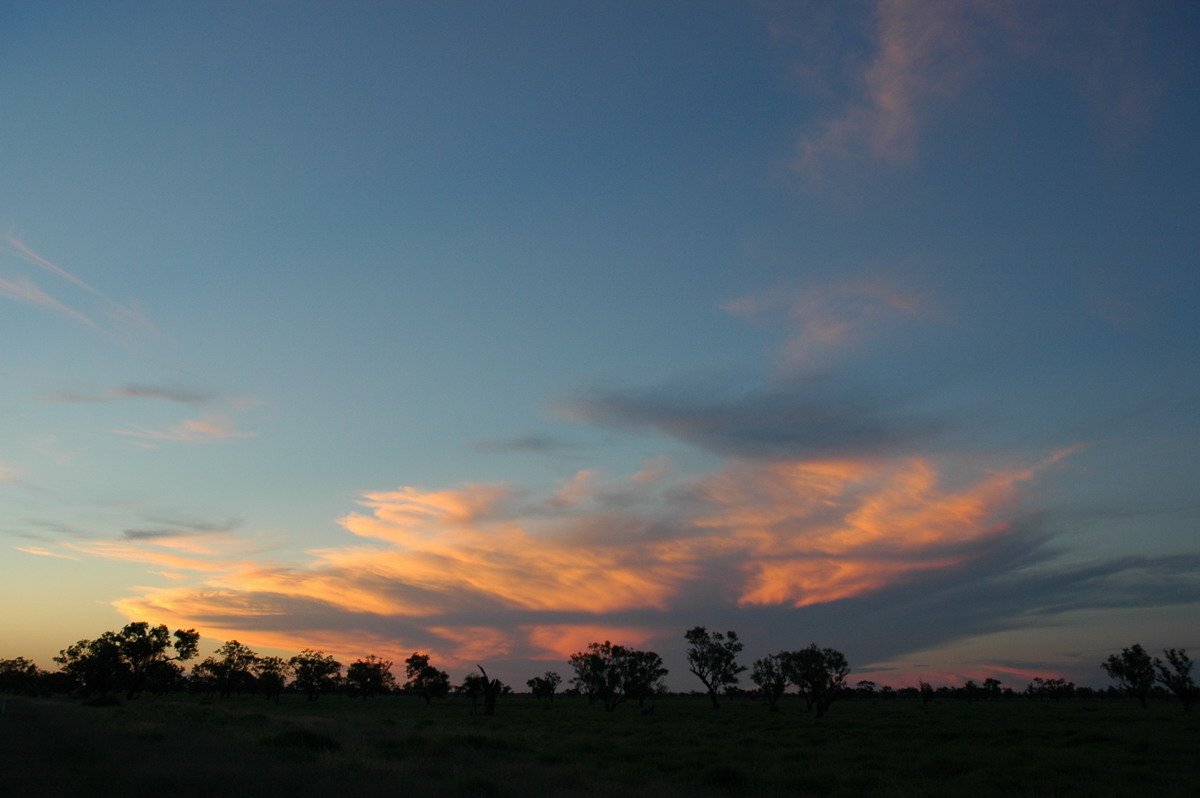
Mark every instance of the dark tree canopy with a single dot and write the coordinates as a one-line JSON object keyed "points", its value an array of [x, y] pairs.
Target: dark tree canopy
{"points": [[544, 686], [270, 674], [471, 687], [230, 668], [597, 673], [1133, 670], [127, 659], [1176, 675], [370, 676], [712, 657], [1053, 688], [769, 674], [643, 675], [819, 674], [424, 679], [316, 672], [19, 676], [614, 673]]}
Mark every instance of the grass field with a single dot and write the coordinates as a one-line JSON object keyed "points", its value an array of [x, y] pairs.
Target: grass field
{"points": [[244, 746]]}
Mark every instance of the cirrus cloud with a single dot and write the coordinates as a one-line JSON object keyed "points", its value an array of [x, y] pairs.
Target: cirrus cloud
{"points": [[209, 427], [914, 57]]}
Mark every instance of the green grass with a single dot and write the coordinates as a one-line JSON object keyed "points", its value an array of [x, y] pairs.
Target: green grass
{"points": [[243, 746]]}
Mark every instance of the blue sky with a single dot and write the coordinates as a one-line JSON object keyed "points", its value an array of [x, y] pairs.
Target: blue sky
{"points": [[490, 330]]}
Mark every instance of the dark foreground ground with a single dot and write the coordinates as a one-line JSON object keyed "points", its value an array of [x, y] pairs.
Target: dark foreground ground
{"points": [[178, 747]]}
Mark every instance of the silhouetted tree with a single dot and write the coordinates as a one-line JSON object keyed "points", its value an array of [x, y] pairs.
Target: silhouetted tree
{"points": [[599, 673], [472, 688], [165, 676], [614, 673], [1060, 689], [642, 673], [20, 676], [424, 679], [925, 691], [95, 666], [229, 669], [316, 672], [545, 685], [270, 676], [1176, 675], [144, 648], [713, 659], [991, 687], [1133, 670], [125, 659], [971, 691], [1056, 689], [369, 676], [819, 674], [768, 673], [590, 670]]}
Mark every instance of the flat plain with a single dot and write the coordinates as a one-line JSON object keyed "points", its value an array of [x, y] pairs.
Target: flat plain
{"points": [[183, 746]]}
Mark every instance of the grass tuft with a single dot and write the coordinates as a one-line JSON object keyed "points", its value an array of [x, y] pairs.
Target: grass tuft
{"points": [[304, 739], [726, 777]]}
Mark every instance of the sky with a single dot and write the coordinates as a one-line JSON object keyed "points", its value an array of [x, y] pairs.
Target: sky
{"points": [[490, 330]]}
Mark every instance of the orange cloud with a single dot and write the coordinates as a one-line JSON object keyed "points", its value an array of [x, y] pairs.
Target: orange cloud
{"points": [[129, 552], [214, 552], [468, 572], [40, 551], [817, 532], [455, 542], [471, 645], [558, 642]]}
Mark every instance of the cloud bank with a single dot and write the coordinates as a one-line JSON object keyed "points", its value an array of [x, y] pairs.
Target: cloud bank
{"points": [[485, 569]]}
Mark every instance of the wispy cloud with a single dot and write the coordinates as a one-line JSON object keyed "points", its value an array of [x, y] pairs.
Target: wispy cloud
{"points": [[22, 289], [124, 319], [820, 320], [39, 551], [10, 475], [923, 52], [212, 552], [922, 55], [137, 391], [206, 429], [167, 393], [173, 527]]}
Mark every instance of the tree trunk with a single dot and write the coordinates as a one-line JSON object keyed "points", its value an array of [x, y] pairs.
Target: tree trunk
{"points": [[491, 689]]}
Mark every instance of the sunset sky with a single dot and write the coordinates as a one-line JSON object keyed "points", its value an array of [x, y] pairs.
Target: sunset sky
{"points": [[492, 329]]}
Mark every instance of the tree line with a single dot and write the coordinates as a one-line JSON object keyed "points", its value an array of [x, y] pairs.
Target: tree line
{"points": [[141, 658]]}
